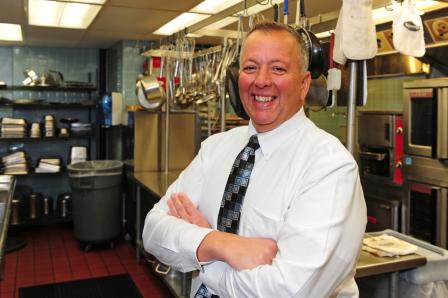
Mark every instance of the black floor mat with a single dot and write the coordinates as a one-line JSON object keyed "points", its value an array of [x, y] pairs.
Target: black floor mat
{"points": [[114, 286]]}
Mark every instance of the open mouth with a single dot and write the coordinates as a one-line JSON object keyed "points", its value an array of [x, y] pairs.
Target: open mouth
{"points": [[264, 99]]}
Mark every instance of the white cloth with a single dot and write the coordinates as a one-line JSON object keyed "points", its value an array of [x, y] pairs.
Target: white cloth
{"points": [[390, 245], [407, 28], [355, 34], [304, 192]]}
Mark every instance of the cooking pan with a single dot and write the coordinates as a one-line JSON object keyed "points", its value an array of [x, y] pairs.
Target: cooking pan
{"points": [[150, 93], [318, 95], [315, 51], [232, 75]]}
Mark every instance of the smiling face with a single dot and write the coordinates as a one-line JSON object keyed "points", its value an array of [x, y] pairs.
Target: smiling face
{"points": [[271, 81]]}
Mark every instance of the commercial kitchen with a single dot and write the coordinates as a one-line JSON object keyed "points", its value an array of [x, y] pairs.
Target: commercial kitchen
{"points": [[103, 103]]}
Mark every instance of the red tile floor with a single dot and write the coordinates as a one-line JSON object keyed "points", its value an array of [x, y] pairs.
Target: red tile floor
{"points": [[52, 254]]}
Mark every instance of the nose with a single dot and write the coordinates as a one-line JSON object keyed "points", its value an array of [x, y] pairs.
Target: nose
{"points": [[263, 78]]}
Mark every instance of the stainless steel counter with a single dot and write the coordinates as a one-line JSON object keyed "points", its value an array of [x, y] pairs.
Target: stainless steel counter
{"points": [[7, 184], [157, 183], [367, 264]]}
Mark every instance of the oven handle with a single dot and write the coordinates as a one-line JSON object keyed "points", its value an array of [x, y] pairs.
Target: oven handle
{"points": [[372, 155]]}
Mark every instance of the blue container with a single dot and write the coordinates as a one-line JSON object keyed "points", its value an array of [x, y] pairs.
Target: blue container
{"points": [[106, 106]]}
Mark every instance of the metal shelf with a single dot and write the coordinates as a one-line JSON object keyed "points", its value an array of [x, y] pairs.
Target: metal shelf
{"points": [[52, 88], [51, 105]]}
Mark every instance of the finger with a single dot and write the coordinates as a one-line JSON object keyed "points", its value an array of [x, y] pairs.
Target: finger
{"points": [[180, 208], [190, 209], [172, 209]]}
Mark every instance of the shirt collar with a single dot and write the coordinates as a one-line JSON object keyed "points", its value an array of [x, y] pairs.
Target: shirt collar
{"points": [[271, 140]]}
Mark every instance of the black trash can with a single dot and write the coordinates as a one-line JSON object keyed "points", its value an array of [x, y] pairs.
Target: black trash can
{"points": [[96, 200]]}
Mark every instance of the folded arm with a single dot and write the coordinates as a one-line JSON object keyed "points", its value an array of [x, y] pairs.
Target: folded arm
{"points": [[318, 243]]}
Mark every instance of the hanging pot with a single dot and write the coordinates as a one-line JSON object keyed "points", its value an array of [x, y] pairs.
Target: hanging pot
{"points": [[318, 95], [315, 51], [150, 93], [232, 75]]}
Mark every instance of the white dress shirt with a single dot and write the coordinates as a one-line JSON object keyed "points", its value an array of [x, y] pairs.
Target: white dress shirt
{"points": [[304, 193]]}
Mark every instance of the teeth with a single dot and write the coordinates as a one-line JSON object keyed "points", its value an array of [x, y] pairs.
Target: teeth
{"points": [[264, 98]]}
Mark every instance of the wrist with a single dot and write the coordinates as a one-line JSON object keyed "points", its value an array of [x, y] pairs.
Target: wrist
{"points": [[213, 247]]}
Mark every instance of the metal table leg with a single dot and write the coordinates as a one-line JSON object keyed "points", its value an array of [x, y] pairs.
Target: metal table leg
{"points": [[138, 232], [394, 285]]}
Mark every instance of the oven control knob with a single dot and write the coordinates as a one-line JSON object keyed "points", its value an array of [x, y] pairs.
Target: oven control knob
{"points": [[399, 130], [398, 165]]}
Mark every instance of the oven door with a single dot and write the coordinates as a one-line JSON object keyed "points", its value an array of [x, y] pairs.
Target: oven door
{"points": [[376, 163], [427, 213], [426, 122]]}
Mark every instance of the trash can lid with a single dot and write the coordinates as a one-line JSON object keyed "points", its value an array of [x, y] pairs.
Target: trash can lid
{"points": [[95, 168]]}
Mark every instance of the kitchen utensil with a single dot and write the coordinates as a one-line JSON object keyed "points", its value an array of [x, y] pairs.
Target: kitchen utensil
{"points": [[15, 212], [64, 205], [47, 208], [285, 12], [334, 74], [150, 93], [81, 129], [315, 51], [317, 97], [233, 90], [34, 201]]}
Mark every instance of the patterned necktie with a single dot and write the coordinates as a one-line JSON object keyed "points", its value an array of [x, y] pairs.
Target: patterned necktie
{"points": [[234, 192]]}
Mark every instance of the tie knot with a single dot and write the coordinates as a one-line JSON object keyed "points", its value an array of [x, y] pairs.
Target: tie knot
{"points": [[253, 143]]}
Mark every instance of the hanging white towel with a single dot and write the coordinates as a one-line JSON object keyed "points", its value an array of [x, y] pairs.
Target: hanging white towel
{"points": [[359, 33], [407, 31], [338, 52]]}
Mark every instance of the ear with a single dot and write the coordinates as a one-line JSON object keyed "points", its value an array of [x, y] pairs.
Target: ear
{"points": [[305, 85]]}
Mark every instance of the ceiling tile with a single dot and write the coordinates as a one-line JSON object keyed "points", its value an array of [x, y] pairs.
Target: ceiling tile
{"points": [[183, 5], [140, 21], [51, 36], [12, 12], [104, 38]]}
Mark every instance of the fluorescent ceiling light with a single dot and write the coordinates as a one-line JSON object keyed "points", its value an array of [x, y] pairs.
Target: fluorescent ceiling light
{"points": [[213, 6], [61, 14], [324, 34], [87, 1], [11, 32], [221, 23], [179, 23]]}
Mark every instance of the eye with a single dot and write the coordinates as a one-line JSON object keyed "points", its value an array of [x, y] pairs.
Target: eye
{"points": [[278, 69], [249, 68]]}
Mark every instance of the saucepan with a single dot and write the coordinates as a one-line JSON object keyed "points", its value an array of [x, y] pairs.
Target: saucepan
{"points": [[317, 97], [315, 51], [150, 93], [232, 76]]}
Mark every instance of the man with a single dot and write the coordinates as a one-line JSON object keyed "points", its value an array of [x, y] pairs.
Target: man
{"points": [[297, 230]]}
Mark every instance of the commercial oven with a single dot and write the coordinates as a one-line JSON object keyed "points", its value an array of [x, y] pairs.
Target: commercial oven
{"points": [[427, 199], [380, 139], [425, 112]]}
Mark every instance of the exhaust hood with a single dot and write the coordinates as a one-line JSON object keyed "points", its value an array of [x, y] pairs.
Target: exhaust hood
{"points": [[390, 63]]}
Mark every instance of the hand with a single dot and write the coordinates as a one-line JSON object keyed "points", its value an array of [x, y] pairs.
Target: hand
{"points": [[237, 251], [182, 207]]}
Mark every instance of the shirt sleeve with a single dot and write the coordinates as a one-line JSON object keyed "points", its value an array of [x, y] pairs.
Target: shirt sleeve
{"points": [[319, 239], [171, 240]]}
